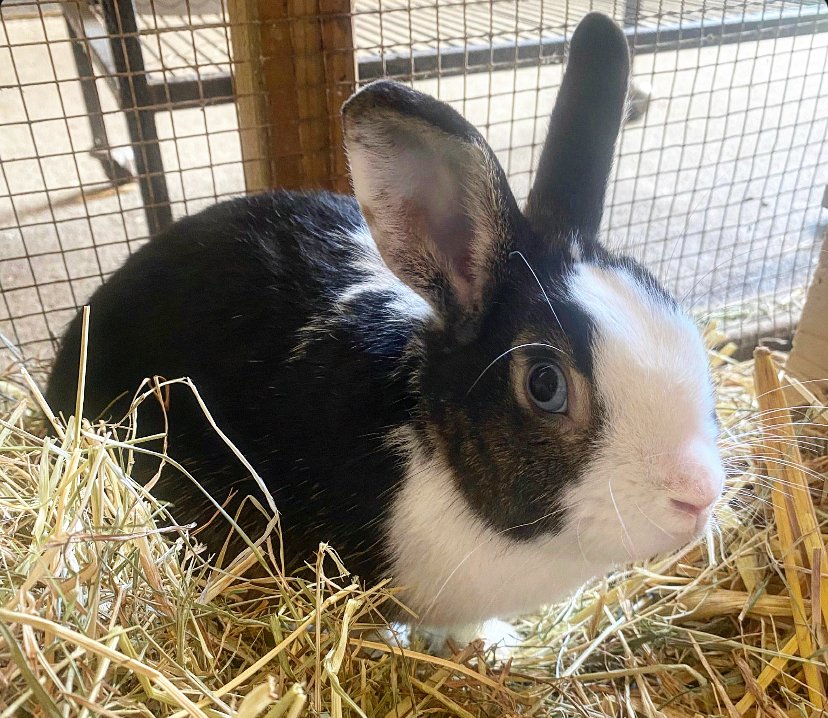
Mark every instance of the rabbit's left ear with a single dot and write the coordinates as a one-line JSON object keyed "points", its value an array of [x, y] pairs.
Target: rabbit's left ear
{"points": [[435, 197]]}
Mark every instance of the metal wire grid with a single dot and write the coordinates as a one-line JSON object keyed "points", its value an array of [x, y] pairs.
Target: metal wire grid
{"points": [[735, 181], [63, 226], [717, 187]]}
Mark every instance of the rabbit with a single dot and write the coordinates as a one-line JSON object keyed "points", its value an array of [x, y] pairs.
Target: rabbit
{"points": [[482, 402]]}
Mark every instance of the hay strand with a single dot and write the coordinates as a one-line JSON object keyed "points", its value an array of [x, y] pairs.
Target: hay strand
{"points": [[784, 464]]}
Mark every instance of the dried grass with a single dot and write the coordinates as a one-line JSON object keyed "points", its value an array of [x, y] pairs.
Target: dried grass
{"points": [[107, 608]]}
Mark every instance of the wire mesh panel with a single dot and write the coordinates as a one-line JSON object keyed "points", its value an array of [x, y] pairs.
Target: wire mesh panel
{"points": [[117, 117], [73, 148]]}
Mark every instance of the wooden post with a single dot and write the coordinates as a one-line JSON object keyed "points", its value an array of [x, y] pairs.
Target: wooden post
{"points": [[294, 66], [808, 360], [251, 101]]}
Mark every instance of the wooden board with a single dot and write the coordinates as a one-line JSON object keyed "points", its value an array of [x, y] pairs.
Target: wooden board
{"points": [[808, 360], [300, 68], [249, 91]]}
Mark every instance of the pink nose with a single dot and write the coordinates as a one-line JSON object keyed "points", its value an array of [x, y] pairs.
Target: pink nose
{"points": [[694, 478]]}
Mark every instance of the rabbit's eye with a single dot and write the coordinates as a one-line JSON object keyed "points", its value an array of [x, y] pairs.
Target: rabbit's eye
{"points": [[546, 385]]}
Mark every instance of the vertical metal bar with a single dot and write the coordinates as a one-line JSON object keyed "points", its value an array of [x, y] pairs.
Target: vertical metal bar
{"points": [[631, 14], [89, 89], [136, 102], [631, 11]]}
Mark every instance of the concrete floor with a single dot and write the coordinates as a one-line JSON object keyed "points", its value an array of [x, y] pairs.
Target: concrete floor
{"points": [[718, 189]]}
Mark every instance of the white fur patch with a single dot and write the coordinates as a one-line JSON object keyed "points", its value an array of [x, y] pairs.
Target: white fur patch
{"points": [[457, 571], [405, 305], [498, 636], [651, 374]]}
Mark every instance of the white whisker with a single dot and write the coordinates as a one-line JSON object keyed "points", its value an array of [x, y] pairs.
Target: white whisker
{"points": [[545, 295], [660, 528], [507, 352], [631, 548]]}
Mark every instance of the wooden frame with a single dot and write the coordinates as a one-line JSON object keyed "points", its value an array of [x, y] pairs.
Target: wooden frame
{"points": [[294, 65]]}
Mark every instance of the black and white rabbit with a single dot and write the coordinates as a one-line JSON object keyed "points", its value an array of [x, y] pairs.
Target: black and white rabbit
{"points": [[484, 404]]}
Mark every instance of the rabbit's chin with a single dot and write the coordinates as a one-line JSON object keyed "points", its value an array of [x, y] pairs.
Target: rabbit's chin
{"points": [[604, 538]]}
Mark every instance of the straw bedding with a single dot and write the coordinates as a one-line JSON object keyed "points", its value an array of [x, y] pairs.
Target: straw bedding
{"points": [[109, 609]]}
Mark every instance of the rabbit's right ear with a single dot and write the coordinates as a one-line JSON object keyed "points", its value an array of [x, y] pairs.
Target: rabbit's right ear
{"points": [[568, 193], [433, 194]]}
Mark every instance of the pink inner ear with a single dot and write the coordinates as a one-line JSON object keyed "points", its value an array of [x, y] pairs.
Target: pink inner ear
{"points": [[435, 214], [436, 193], [453, 235]]}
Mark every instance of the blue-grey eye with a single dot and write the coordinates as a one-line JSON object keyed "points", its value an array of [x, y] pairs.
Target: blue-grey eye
{"points": [[546, 386]]}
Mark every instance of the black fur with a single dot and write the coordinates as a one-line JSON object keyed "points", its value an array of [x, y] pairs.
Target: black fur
{"points": [[220, 298], [568, 194]]}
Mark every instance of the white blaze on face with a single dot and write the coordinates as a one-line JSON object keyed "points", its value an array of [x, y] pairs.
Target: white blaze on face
{"points": [[658, 471]]}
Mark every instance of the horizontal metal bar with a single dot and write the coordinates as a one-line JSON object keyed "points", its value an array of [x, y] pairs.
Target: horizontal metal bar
{"points": [[218, 88], [180, 92], [749, 28], [550, 49]]}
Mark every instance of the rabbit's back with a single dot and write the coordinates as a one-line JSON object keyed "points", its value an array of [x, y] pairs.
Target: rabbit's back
{"points": [[234, 298]]}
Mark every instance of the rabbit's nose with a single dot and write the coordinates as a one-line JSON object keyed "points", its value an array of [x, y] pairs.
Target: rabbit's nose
{"points": [[694, 478]]}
